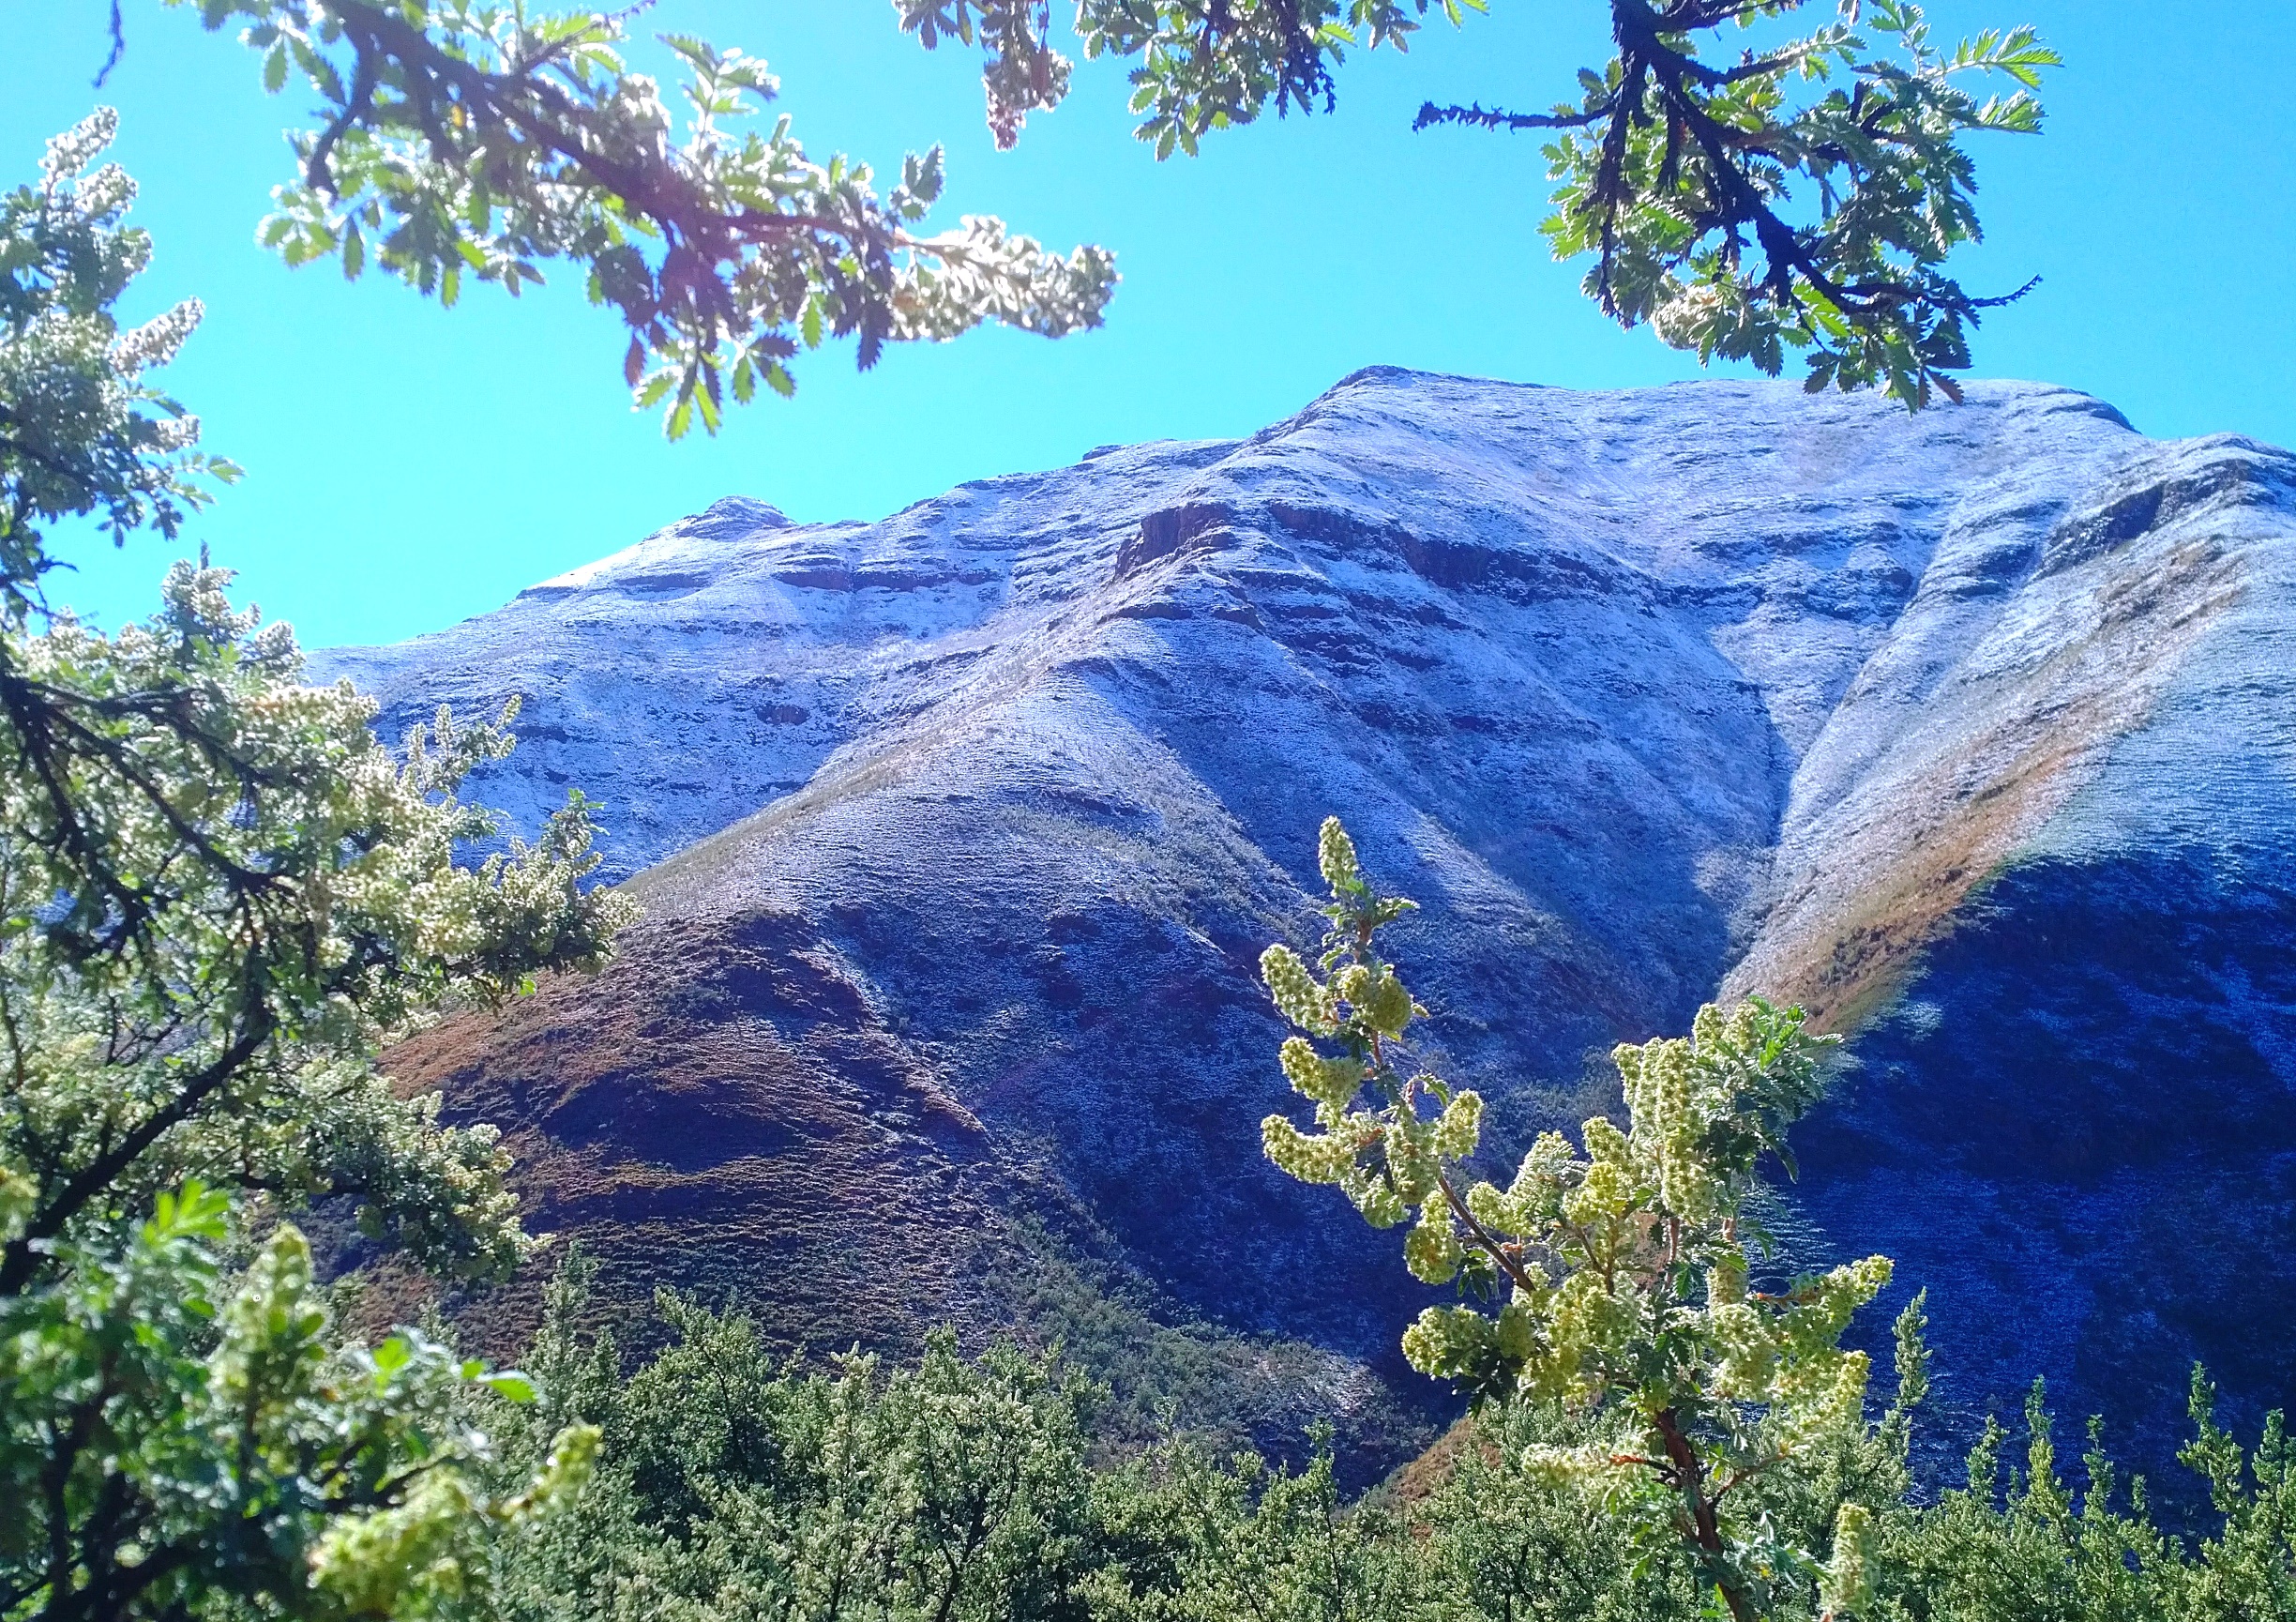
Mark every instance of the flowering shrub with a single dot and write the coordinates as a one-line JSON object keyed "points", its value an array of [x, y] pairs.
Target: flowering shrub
{"points": [[1615, 1276]]}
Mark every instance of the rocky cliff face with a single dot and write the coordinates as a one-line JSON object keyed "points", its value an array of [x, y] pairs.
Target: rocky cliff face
{"points": [[959, 835]]}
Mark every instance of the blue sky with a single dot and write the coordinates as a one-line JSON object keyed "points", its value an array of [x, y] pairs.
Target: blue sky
{"points": [[410, 466]]}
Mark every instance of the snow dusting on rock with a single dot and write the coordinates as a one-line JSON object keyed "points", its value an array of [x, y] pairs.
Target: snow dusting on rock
{"points": [[1972, 730]]}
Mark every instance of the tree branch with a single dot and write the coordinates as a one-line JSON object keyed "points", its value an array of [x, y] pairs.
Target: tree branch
{"points": [[119, 48], [19, 1259], [1482, 117]]}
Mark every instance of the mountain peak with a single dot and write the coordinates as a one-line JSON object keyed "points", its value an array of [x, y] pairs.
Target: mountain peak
{"points": [[1943, 723]]}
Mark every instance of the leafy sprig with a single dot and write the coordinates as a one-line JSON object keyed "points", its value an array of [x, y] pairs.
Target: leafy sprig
{"points": [[1804, 198], [462, 141]]}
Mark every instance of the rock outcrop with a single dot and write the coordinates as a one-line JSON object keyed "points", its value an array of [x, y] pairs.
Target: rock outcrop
{"points": [[959, 835]]}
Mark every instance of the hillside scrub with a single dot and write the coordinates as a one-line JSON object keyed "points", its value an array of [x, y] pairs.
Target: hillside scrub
{"points": [[1621, 1280], [731, 1485], [1712, 1409]]}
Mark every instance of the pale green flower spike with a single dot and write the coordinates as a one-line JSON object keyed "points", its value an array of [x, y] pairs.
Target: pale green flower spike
{"points": [[1847, 1589], [1298, 996], [1335, 855]]}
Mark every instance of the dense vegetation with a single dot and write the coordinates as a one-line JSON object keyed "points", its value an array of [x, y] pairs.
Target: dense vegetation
{"points": [[1660, 1428], [730, 1487]]}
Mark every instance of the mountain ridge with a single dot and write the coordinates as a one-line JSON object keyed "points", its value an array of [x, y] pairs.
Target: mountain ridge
{"points": [[1646, 695]]}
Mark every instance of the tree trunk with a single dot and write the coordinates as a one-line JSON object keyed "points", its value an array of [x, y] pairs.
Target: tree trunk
{"points": [[1706, 1523]]}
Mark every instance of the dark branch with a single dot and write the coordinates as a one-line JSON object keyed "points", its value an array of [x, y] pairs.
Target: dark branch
{"points": [[1482, 117], [1996, 302], [21, 1259], [318, 170], [119, 48], [1717, 168]]}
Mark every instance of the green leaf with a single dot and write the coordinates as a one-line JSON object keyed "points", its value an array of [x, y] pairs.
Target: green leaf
{"points": [[510, 1385], [275, 70]]}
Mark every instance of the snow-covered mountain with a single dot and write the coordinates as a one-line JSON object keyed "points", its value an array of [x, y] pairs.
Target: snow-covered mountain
{"points": [[961, 833]]}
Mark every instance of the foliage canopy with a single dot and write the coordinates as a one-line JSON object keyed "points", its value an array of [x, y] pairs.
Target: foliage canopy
{"points": [[1802, 195], [461, 139]]}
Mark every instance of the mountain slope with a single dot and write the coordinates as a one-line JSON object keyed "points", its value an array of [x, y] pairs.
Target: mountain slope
{"points": [[959, 835]]}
